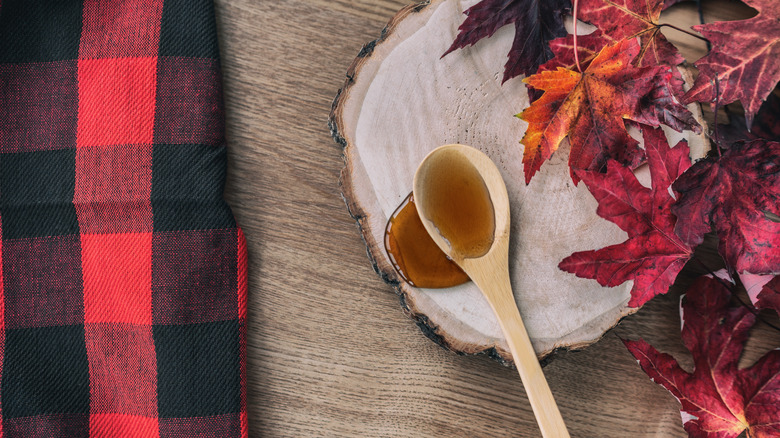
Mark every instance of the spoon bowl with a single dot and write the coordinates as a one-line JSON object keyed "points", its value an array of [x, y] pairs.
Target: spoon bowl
{"points": [[461, 193], [462, 201]]}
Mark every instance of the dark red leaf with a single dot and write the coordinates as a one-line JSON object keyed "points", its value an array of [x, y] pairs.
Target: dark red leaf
{"points": [[536, 23], [735, 195], [652, 256], [624, 19], [718, 400], [745, 58], [661, 106]]}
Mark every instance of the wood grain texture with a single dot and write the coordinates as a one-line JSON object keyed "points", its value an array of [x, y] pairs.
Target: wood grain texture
{"points": [[330, 353]]}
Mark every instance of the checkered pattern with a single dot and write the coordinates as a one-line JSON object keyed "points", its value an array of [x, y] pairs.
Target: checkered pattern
{"points": [[122, 271]]}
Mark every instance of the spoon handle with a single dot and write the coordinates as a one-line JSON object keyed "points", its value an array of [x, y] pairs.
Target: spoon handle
{"points": [[498, 291]]}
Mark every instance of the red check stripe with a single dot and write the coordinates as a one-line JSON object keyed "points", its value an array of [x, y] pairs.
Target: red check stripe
{"points": [[116, 101], [117, 273]]}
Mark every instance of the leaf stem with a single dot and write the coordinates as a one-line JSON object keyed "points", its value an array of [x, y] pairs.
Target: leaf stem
{"points": [[684, 31], [576, 54]]}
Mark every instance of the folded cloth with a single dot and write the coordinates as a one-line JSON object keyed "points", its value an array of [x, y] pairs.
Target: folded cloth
{"points": [[123, 277]]}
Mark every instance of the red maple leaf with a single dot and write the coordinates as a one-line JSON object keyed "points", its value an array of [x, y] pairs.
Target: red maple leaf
{"points": [[661, 105], [536, 23], [590, 107], [624, 19], [718, 400], [652, 256], [736, 194], [745, 59]]}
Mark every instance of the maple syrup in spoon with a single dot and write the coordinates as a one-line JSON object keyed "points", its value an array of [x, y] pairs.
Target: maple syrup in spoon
{"points": [[458, 204]]}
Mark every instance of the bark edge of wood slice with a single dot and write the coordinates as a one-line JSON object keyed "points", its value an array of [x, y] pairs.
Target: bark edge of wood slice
{"points": [[400, 101]]}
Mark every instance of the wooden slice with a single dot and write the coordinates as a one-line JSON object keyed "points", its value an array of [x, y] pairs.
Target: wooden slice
{"points": [[400, 101]]}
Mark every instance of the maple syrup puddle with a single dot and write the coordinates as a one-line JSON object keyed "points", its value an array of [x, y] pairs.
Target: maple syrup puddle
{"points": [[415, 255]]}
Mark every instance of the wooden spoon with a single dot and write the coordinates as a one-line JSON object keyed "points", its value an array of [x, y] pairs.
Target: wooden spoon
{"points": [[463, 203]]}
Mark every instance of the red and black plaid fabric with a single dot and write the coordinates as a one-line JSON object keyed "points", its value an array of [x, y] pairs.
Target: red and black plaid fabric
{"points": [[123, 273]]}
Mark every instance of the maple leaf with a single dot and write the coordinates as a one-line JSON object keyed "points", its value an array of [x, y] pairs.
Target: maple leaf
{"points": [[536, 23], [717, 399], [735, 194], [664, 95], [652, 256], [624, 19], [745, 59], [589, 108]]}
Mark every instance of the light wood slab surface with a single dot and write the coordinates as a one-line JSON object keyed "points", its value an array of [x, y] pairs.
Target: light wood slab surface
{"points": [[330, 352]]}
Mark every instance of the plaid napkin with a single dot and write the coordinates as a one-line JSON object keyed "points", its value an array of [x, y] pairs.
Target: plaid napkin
{"points": [[123, 277]]}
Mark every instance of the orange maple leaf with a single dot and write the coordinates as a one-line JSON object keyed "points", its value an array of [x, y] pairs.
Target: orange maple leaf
{"points": [[590, 108]]}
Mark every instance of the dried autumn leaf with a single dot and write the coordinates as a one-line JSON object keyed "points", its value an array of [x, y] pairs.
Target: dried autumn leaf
{"points": [[745, 59], [733, 194], [661, 105], [536, 23], [624, 19], [652, 256], [718, 400], [590, 107]]}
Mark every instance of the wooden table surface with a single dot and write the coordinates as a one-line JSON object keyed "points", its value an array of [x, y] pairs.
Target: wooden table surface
{"points": [[330, 353]]}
